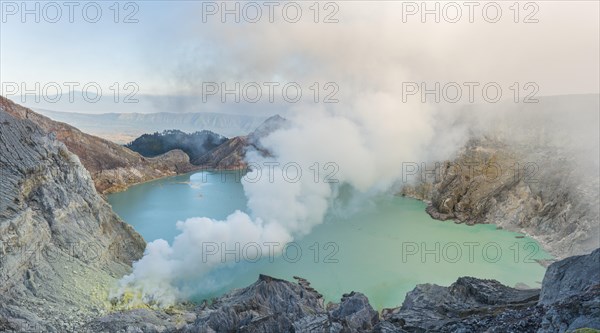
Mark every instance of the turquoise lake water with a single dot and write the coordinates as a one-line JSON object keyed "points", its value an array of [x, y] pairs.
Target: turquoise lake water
{"points": [[383, 250]]}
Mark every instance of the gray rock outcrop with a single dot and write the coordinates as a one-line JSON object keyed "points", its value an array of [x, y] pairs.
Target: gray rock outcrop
{"points": [[536, 191], [569, 300], [61, 245], [571, 294], [231, 154], [274, 305], [468, 305], [569, 277]]}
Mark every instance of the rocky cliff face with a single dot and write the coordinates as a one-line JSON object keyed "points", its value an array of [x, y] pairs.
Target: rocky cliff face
{"points": [[569, 300], [113, 167], [468, 305], [535, 190], [61, 246], [570, 277], [230, 155]]}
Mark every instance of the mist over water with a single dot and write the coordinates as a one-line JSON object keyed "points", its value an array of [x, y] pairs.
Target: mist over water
{"points": [[383, 248], [369, 133]]}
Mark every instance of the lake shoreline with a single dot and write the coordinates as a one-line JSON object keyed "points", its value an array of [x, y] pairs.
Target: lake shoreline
{"points": [[398, 226]]}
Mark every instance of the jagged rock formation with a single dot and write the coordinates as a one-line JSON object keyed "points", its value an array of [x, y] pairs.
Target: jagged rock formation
{"points": [[570, 294], [113, 167], [535, 190], [230, 155], [570, 299], [570, 277], [468, 305], [268, 305], [444, 309], [195, 145], [267, 127], [61, 246]]}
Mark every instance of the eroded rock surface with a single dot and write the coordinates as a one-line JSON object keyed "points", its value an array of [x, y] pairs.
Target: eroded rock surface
{"points": [[534, 190], [228, 156], [274, 305], [468, 305], [570, 299], [231, 154], [61, 246], [569, 277]]}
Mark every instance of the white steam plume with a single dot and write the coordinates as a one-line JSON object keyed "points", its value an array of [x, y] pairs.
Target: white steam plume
{"points": [[368, 151], [368, 134]]}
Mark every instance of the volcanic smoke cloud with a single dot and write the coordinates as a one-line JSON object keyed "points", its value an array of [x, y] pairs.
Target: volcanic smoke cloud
{"points": [[281, 210], [368, 134]]}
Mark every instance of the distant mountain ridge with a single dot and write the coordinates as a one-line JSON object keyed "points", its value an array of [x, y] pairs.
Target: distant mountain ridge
{"points": [[195, 144], [125, 127]]}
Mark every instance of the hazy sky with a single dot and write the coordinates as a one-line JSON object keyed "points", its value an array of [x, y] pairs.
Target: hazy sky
{"points": [[375, 45]]}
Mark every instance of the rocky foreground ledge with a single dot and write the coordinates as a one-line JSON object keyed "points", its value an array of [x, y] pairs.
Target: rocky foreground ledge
{"points": [[568, 300]]}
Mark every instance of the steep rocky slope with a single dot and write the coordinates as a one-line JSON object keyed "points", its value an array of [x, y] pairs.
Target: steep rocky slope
{"points": [[230, 155], [468, 305], [61, 246], [113, 167], [532, 189]]}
